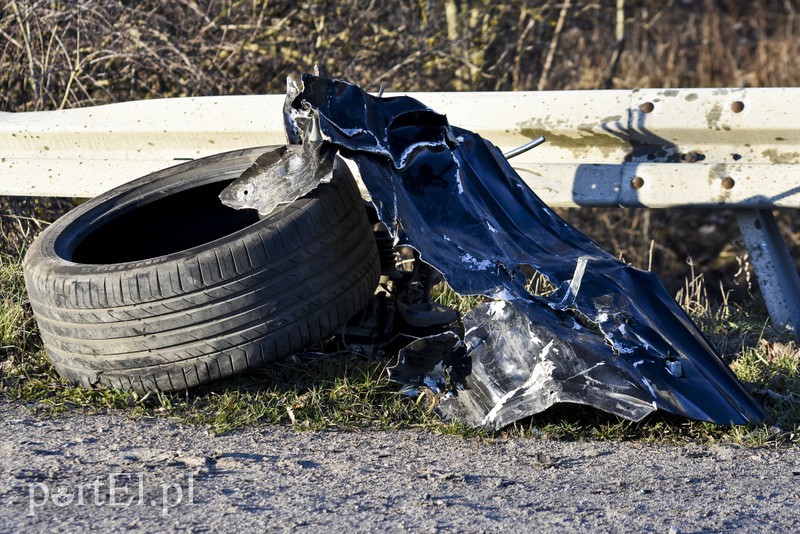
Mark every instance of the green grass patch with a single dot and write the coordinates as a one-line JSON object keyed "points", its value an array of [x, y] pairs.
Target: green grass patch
{"points": [[341, 391], [17, 327], [580, 423]]}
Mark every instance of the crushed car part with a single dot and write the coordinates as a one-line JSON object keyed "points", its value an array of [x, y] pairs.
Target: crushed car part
{"points": [[156, 285], [282, 175], [453, 197], [443, 191]]}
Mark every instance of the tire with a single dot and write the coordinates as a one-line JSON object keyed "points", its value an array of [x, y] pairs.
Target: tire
{"points": [[157, 286]]}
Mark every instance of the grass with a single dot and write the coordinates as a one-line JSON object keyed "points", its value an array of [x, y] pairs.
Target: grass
{"points": [[347, 392], [18, 333], [341, 391]]}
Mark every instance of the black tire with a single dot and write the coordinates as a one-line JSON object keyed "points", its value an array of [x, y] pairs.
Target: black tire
{"points": [[157, 286]]}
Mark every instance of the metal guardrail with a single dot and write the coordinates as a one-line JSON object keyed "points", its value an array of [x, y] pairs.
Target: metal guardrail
{"points": [[660, 148]]}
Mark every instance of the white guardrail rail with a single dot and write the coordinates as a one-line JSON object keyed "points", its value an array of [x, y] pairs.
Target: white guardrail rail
{"points": [[658, 148]]}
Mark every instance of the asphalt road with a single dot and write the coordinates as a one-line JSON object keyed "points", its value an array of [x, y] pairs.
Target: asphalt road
{"points": [[82, 472]]}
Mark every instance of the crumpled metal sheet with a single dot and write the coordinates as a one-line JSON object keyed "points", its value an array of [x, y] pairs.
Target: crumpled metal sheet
{"points": [[467, 212], [515, 360], [283, 175]]}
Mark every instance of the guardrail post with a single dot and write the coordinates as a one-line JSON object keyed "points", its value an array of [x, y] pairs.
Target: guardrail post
{"points": [[773, 265]]}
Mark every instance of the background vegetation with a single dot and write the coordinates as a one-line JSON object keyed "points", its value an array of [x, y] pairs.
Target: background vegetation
{"points": [[77, 53], [56, 55]]}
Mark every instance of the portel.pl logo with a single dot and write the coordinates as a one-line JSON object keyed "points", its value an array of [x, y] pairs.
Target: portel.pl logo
{"points": [[117, 489]]}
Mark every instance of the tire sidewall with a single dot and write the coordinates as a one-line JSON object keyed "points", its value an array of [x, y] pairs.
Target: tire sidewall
{"points": [[56, 243]]}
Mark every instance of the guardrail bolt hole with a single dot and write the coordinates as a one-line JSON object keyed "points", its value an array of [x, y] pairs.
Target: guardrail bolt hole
{"points": [[737, 107], [637, 182], [728, 182], [692, 156], [647, 107]]}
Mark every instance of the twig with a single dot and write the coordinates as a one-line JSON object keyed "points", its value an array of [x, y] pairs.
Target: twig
{"points": [[410, 59], [451, 16], [10, 39], [515, 85], [553, 45], [25, 30], [75, 70], [619, 46], [18, 218]]}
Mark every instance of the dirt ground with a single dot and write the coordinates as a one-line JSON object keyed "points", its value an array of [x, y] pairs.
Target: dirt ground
{"points": [[106, 472]]}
